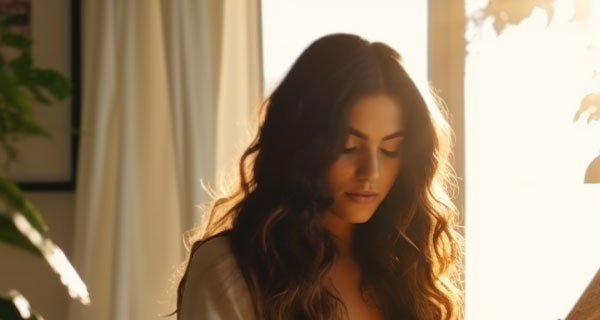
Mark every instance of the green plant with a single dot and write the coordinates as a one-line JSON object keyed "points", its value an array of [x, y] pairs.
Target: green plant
{"points": [[21, 225], [21, 84]]}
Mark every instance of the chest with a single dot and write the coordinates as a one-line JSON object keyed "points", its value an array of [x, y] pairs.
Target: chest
{"points": [[346, 279]]}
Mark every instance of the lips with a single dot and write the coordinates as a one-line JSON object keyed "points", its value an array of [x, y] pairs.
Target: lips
{"points": [[362, 196]]}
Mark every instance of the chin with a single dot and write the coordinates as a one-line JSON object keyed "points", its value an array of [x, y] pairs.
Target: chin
{"points": [[359, 216], [361, 221]]}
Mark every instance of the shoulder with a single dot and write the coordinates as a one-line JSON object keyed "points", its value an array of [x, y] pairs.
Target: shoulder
{"points": [[214, 287], [212, 254]]}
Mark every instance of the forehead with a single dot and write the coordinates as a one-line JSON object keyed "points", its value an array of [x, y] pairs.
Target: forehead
{"points": [[376, 115]]}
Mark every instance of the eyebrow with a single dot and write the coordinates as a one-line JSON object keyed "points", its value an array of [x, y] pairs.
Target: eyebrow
{"points": [[399, 133]]}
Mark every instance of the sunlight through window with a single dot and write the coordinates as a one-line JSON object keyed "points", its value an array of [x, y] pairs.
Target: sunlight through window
{"points": [[531, 223]]}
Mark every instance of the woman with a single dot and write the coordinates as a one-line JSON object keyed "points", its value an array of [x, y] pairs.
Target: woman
{"points": [[342, 209]]}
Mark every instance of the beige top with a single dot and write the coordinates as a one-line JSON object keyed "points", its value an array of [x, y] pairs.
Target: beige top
{"points": [[215, 288]]}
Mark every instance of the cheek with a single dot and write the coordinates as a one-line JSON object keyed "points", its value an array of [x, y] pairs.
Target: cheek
{"points": [[339, 174], [389, 173]]}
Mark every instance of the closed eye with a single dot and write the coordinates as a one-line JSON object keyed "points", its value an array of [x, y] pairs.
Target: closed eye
{"points": [[392, 153]]}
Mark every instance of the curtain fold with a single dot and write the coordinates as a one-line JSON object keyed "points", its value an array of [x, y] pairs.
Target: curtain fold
{"points": [[215, 80], [240, 83], [161, 102], [193, 38]]}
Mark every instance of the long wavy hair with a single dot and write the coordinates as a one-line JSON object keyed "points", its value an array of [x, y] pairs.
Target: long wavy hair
{"points": [[410, 252]]}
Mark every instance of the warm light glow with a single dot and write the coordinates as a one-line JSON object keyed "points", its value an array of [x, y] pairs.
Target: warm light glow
{"points": [[594, 21], [55, 258], [21, 304], [531, 223]]}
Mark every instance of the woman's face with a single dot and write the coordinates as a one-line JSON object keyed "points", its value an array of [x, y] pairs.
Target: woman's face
{"points": [[363, 174]]}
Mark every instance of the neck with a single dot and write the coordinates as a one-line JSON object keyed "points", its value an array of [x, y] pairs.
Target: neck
{"points": [[342, 233]]}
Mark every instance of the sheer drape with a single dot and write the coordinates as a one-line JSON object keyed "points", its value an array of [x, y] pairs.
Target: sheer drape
{"points": [[163, 103], [215, 80]]}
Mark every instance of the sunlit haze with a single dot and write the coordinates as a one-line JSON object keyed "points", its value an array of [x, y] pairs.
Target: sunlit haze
{"points": [[531, 223]]}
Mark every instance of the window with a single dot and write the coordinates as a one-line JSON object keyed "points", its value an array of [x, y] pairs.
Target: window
{"points": [[531, 223]]}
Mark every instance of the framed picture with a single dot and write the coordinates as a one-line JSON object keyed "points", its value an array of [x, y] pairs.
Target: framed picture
{"points": [[50, 164]]}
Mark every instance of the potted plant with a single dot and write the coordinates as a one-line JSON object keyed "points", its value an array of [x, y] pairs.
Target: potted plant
{"points": [[21, 225]]}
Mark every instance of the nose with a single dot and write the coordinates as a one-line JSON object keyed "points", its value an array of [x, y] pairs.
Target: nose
{"points": [[368, 168]]}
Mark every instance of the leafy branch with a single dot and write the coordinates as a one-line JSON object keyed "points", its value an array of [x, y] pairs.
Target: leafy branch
{"points": [[21, 85]]}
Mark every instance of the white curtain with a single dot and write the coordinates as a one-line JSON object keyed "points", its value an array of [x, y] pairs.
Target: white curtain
{"points": [[215, 78], [167, 89]]}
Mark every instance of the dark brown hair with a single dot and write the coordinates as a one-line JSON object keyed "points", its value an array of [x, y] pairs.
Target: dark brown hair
{"points": [[409, 250]]}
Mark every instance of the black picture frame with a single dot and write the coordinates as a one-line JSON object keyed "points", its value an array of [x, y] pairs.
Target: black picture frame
{"points": [[69, 184]]}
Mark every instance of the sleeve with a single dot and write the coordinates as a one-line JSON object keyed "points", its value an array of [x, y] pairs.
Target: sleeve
{"points": [[214, 288]]}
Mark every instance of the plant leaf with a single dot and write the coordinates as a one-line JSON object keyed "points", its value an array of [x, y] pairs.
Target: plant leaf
{"points": [[505, 12], [11, 152], [591, 104], [8, 310], [22, 66], [52, 81], [15, 40], [38, 95], [9, 234], [55, 257], [14, 97], [29, 126], [14, 121], [14, 199]]}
